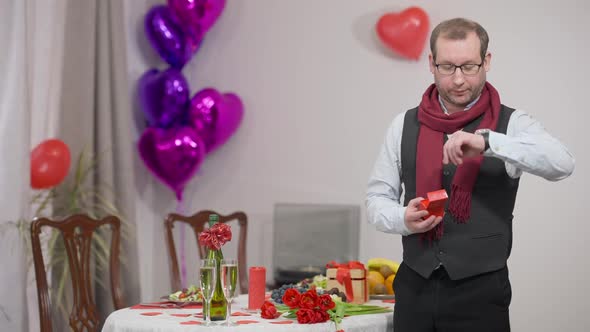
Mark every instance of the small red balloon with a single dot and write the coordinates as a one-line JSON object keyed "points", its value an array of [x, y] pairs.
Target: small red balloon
{"points": [[404, 32], [50, 163]]}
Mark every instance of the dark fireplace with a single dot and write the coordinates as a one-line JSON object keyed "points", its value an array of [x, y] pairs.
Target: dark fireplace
{"points": [[307, 236]]}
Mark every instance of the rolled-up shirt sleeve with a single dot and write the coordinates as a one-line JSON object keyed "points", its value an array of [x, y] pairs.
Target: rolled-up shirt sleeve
{"points": [[383, 200]]}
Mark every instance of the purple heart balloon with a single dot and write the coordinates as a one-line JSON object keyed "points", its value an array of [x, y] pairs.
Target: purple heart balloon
{"points": [[197, 13], [172, 155], [215, 116], [165, 33], [163, 96]]}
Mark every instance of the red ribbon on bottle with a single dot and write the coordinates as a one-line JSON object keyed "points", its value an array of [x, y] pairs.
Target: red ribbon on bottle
{"points": [[343, 275]]}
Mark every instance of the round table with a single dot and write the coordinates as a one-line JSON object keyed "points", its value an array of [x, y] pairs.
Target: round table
{"points": [[164, 320]]}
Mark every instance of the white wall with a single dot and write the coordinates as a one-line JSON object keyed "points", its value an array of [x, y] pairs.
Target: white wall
{"points": [[320, 92]]}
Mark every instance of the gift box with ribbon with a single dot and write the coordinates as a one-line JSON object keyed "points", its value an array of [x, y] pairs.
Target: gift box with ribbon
{"points": [[350, 278]]}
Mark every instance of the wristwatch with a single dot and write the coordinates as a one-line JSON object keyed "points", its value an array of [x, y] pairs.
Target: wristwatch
{"points": [[485, 133]]}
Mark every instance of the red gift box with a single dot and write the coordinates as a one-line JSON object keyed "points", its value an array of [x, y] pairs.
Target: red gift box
{"points": [[350, 278], [435, 203]]}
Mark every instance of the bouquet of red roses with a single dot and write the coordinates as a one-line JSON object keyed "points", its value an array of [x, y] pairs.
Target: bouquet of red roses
{"points": [[216, 236], [311, 308], [308, 308]]}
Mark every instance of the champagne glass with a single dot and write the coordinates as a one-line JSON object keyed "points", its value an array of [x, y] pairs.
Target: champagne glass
{"points": [[208, 277], [229, 281]]}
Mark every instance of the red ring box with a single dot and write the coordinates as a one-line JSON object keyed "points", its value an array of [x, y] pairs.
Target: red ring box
{"points": [[435, 203]]}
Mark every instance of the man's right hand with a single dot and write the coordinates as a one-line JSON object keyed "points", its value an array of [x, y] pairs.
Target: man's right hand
{"points": [[413, 217]]}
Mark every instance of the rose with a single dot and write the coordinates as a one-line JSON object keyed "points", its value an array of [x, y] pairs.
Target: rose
{"points": [[321, 315], [312, 316], [222, 232], [215, 243], [306, 316], [325, 302], [269, 311], [205, 238], [291, 298], [309, 299], [216, 236]]}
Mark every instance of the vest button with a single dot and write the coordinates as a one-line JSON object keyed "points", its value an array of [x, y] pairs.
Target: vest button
{"points": [[446, 173], [440, 252]]}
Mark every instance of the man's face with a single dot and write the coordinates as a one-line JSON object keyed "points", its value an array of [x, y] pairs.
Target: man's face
{"points": [[458, 90]]}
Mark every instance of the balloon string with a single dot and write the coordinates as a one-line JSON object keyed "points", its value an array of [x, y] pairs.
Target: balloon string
{"points": [[180, 210]]}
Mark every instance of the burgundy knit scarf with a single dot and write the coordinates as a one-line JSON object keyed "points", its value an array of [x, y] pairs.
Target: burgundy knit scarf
{"points": [[434, 123]]}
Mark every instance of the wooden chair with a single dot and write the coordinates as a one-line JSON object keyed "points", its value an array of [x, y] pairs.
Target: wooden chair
{"points": [[198, 222], [77, 233]]}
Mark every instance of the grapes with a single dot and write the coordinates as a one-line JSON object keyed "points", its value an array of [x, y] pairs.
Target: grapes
{"points": [[277, 294]]}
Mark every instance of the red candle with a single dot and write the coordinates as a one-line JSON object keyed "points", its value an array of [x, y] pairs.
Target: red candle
{"points": [[257, 286]]}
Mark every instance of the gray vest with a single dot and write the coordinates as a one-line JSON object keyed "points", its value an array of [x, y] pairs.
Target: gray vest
{"points": [[482, 244]]}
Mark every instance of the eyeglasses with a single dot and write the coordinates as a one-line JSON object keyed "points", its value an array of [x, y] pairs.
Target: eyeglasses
{"points": [[468, 69]]}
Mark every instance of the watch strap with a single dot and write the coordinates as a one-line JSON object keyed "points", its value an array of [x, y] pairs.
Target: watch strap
{"points": [[485, 133]]}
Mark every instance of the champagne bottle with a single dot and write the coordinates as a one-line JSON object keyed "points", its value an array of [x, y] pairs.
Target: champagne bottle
{"points": [[218, 308]]}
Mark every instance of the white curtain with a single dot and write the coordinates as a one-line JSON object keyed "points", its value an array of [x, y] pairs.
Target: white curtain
{"points": [[96, 116], [63, 70], [31, 64], [45, 48], [14, 147]]}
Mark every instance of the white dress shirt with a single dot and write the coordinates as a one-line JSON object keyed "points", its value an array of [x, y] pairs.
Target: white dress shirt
{"points": [[526, 147]]}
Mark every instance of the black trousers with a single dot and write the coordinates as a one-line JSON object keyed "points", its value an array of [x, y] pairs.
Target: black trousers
{"points": [[475, 304]]}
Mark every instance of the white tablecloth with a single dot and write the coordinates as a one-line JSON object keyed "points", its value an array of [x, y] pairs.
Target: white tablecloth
{"points": [[164, 320]]}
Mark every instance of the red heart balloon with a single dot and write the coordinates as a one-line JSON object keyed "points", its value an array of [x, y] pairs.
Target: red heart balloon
{"points": [[404, 32]]}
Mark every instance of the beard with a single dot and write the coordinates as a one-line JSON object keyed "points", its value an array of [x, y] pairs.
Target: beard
{"points": [[459, 97]]}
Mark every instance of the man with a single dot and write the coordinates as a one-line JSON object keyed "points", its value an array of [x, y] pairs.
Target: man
{"points": [[461, 138]]}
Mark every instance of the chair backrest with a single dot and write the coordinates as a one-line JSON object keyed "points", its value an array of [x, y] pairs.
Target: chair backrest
{"points": [[198, 222], [77, 233]]}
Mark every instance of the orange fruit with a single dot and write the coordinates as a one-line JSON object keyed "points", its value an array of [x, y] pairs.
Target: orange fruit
{"points": [[389, 284], [375, 278]]}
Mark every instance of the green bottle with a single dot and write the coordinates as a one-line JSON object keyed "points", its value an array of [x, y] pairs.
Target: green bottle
{"points": [[218, 309]]}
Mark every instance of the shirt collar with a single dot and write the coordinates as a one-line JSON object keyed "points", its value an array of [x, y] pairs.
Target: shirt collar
{"points": [[444, 108]]}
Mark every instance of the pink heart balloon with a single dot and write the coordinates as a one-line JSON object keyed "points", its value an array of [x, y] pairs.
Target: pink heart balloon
{"points": [[172, 155], [215, 116], [197, 13]]}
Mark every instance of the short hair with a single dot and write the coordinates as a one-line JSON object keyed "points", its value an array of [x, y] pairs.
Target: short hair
{"points": [[457, 29]]}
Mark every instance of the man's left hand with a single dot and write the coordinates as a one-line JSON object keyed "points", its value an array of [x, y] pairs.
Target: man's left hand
{"points": [[462, 145]]}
